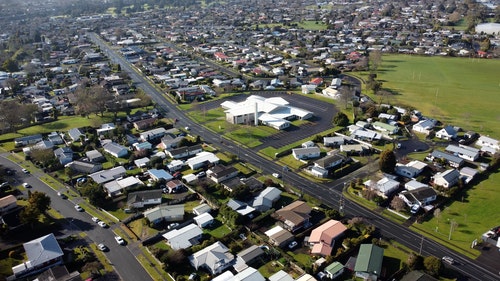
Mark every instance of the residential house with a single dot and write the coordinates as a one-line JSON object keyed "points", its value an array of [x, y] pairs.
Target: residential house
{"points": [[184, 151], [414, 184], [169, 142], [153, 134], [306, 153], [308, 144], [452, 160], [281, 276], [28, 140], [425, 126], [145, 145], [278, 236], [214, 258], [416, 275], [265, 200], [115, 149], [384, 127], [330, 161], [75, 134], [167, 213], [365, 135], [306, 277], [173, 186], [247, 257], [317, 171], [352, 149], [464, 152], [201, 209], [252, 184], [369, 262], [116, 187], [204, 220], [468, 174], [486, 142], [42, 253], [411, 169], [95, 156], [141, 162], [55, 138], [108, 175], [294, 216], [334, 270], [240, 207], [139, 199], [220, 173], [59, 273], [64, 155], [184, 237], [323, 238], [447, 178], [85, 167], [386, 186], [333, 141], [145, 123], [105, 128], [202, 159], [175, 165], [7, 204], [447, 133], [159, 174], [246, 274], [421, 196]]}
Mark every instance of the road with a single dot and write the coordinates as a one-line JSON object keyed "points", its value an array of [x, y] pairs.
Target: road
{"points": [[330, 193], [120, 257]]}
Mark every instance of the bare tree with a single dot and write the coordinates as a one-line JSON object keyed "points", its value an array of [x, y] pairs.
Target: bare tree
{"points": [[397, 203], [375, 58]]}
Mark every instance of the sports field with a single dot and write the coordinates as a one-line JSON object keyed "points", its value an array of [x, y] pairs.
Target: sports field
{"points": [[456, 91]]}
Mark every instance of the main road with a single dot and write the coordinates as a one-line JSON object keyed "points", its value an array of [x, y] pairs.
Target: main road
{"points": [[330, 194], [124, 262]]}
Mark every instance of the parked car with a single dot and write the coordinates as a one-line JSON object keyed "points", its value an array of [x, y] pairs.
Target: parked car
{"points": [[25, 171], [292, 245], [276, 175], [119, 240], [102, 247], [102, 224], [78, 208], [26, 185], [173, 225], [201, 174], [95, 219]]}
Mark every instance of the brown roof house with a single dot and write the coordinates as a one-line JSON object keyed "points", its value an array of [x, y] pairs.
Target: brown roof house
{"points": [[279, 236], [323, 237], [294, 216]]}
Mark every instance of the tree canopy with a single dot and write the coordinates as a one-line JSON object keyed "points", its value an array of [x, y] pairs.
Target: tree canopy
{"points": [[341, 119], [387, 161]]}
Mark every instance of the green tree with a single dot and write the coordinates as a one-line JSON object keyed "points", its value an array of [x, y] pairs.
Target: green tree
{"points": [[10, 65], [433, 265], [94, 193], [40, 201], [387, 161], [29, 215], [340, 119]]}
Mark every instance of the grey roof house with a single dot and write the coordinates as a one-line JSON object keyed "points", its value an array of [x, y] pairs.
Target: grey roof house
{"points": [[214, 258]]}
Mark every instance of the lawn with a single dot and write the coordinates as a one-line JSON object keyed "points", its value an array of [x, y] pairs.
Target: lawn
{"points": [[457, 91], [312, 25]]}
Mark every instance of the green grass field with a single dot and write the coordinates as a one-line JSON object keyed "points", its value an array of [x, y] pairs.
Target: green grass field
{"points": [[457, 91]]}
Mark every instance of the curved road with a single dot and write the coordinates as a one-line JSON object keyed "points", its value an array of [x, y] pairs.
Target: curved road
{"points": [[330, 193]]}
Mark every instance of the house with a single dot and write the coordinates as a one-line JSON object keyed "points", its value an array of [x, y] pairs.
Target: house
{"points": [[447, 178], [115, 149], [85, 167], [365, 135], [265, 200], [184, 151], [306, 277], [214, 258], [294, 216], [220, 173], [333, 141], [27, 140], [173, 186], [421, 196], [153, 134], [108, 175], [169, 142], [145, 123], [278, 236], [281, 276], [247, 257], [308, 144], [330, 161], [75, 134], [447, 133], [116, 187], [246, 274], [64, 155], [145, 145], [201, 209], [204, 220], [183, 238], [414, 184], [139, 199], [487, 142], [95, 156], [369, 262], [411, 169], [175, 165], [351, 149], [105, 128], [159, 174], [334, 270], [168, 213], [55, 138], [384, 127], [464, 152], [386, 186], [240, 207], [452, 160], [59, 273], [424, 126], [252, 184], [42, 253], [306, 153], [141, 162], [202, 159], [416, 275], [7, 204], [322, 238], [468, 174]]}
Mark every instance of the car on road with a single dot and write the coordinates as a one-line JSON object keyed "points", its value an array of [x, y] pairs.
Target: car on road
{"points": [[448, 260], [25, 171], [78, 208], [95, 219], [62, 195], [26, 185], [119, 240], [102, 247], [276, 175], [292, 245], [102, 224]]}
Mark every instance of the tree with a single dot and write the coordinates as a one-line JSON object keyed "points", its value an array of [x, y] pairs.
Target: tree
{"points": [[375, 59], [387, 161], [94, 193], [397, 203], [437, 214], [40, 201], [341, 119], [10, 65], [29, 215], [433, 265], [414, 261]]}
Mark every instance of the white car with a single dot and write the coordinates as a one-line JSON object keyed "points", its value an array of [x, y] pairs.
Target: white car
{"points": [[102, 224], [292, 245], [276, 175], [25, 171], [78, 208], [26, 185], [173, 225], [119, 240], [95, 219], [448, 260], [102, 247]]}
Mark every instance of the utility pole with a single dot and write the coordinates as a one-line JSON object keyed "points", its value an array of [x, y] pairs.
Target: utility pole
{"points": [[453, 225]]}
